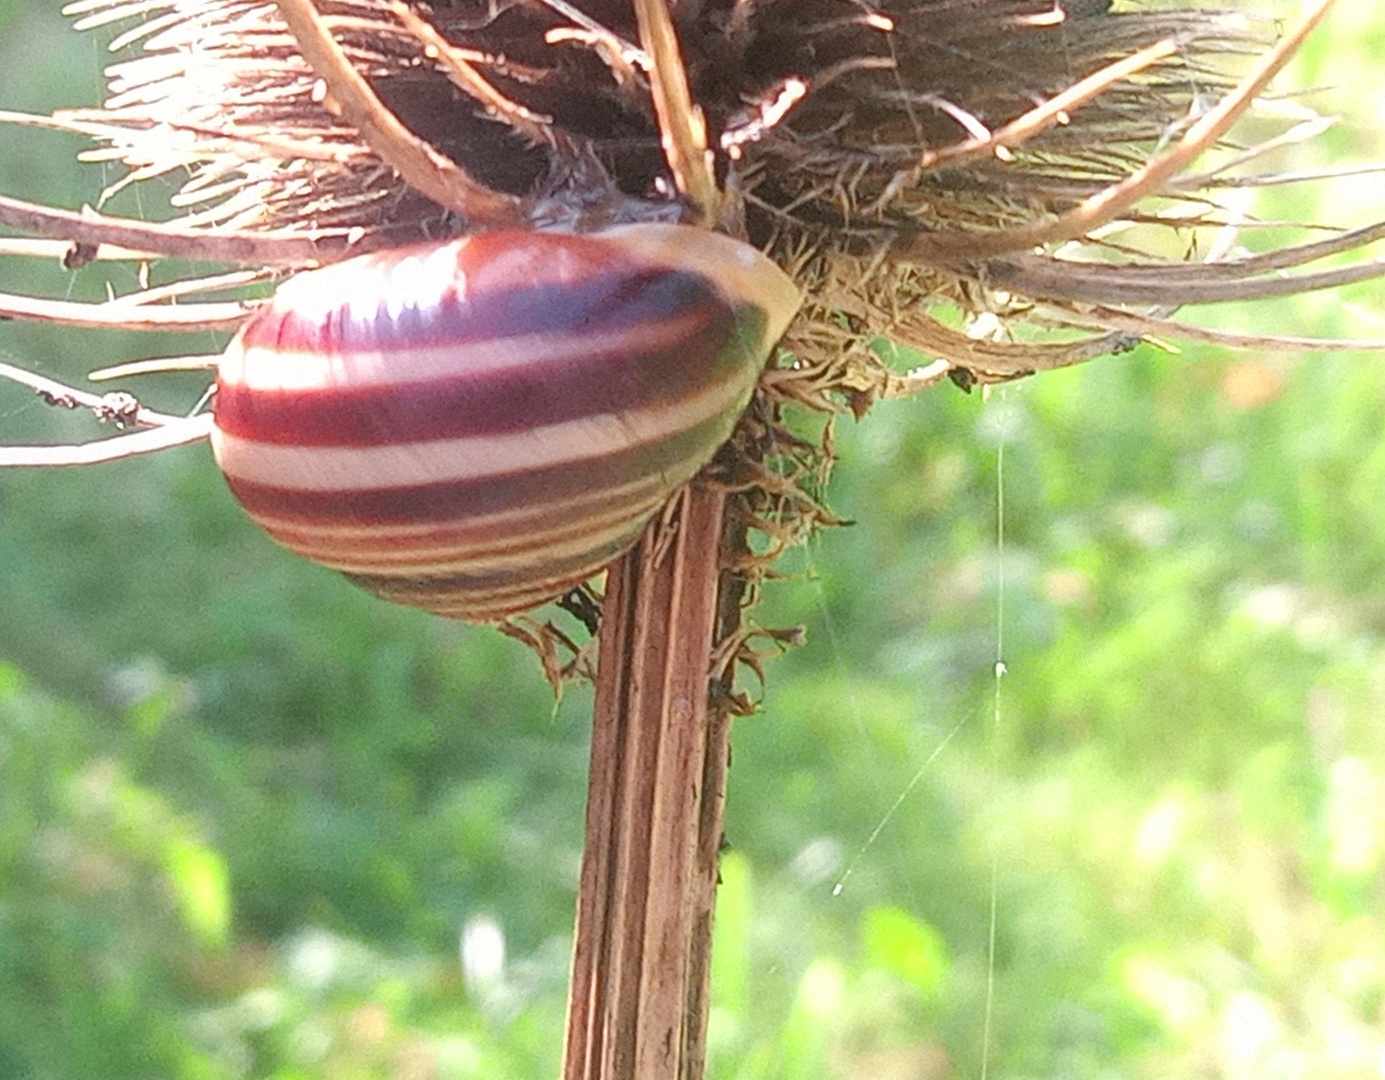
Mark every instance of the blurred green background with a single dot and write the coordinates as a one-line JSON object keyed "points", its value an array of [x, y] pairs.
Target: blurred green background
{"points": [[254, 823]]}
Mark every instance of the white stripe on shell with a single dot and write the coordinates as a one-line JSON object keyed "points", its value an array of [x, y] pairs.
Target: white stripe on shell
{"points": [[442, 461]]}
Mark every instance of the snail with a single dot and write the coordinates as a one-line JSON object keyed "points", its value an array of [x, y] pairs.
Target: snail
{"points": [[475, 426]]}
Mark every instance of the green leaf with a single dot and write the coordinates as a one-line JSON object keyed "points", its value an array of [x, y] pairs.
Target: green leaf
{"points": [[907, 947], [201, 885]]}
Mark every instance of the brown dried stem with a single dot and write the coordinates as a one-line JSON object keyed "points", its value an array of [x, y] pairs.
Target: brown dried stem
{"points": [[205, 245], [60, 250], [638, 1002]]}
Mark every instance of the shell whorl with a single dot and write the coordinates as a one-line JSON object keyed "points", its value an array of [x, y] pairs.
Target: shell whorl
{"points": [[475, 426]]}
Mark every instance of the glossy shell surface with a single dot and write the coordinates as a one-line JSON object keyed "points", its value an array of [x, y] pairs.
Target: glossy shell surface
{"points": [[476, 426]]}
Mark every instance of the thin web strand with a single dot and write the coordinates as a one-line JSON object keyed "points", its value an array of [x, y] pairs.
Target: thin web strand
{"points": [[996, 702], [899, 801]]}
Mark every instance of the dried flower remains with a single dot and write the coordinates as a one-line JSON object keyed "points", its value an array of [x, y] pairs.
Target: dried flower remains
{"points": [[910, 164]]}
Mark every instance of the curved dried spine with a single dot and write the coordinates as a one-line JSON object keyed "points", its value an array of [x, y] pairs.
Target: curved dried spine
{"points": [[1149, 179], [123, 410], [682, 125], [1047, 278], [1051, 112], [417, 163], [222, 91], [562, 659], [156, 366], [537, 128], [213, 283], [246, 145], [1152, 326], [990, 361], [173, 239], [164, 437], [126, 411], [119, 314]]}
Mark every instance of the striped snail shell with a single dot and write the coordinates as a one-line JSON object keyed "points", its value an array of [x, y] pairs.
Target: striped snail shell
{"points": [[473, 427]]}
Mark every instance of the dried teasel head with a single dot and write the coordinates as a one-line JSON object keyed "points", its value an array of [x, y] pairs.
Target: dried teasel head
{"points": [[890, 156]]}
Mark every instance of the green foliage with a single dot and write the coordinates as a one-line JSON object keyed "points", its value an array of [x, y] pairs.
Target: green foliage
{"points": [[254, 823]]}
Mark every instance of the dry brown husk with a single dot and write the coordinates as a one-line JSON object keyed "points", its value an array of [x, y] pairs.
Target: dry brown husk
{"points": [[854, 141]]}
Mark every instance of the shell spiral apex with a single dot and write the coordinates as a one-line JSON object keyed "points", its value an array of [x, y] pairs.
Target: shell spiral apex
{"points": [[473, 427]]}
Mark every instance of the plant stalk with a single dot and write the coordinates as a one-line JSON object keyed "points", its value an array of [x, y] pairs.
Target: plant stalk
{"points": [[638, 1001]]}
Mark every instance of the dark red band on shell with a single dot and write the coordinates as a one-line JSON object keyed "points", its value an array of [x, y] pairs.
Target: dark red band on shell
{"points": [[487, 309], [548, 390]]}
